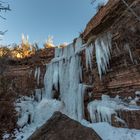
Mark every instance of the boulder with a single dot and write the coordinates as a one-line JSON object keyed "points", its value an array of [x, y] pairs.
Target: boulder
{"points": [[61, 127]]}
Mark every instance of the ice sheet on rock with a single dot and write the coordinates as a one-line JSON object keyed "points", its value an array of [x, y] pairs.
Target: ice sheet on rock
{"points": [[101, 110]]}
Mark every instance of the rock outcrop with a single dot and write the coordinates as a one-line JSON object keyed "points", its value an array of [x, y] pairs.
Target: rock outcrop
{"points": [[61, 127], [123, 74], [130, 117], [122, 77]]}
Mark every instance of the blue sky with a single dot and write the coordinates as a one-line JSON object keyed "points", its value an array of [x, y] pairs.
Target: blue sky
{"points": [[63, 19]]}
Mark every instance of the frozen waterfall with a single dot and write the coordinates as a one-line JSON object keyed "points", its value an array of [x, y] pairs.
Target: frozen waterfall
{"points": [[65, 71]]}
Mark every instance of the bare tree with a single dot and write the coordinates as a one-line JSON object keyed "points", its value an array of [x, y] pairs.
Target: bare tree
{"points": [[92, 1], [4, 7]]}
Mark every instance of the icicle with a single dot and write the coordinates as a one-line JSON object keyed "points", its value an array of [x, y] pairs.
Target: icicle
{"points": [[92, 107], [70, 50], [80, 103], [56, 52], [89, 56], [103, 48], [78, 44], [35, 74], [48, 81], [130, 53], [102, 110], [38, 75], [55, 75], [38, 95]]}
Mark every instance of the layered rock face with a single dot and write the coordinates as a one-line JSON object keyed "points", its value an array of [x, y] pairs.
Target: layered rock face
{"points": [[122, 77], [130, 117], [61, 127], [123, 74]]}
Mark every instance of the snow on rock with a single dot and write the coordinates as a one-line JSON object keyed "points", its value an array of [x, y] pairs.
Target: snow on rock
{"points": [[137, 93]]}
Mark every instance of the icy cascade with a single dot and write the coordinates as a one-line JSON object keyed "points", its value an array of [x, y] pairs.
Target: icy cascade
{"points": [[102, 110], [103, 47], [65, 71]]}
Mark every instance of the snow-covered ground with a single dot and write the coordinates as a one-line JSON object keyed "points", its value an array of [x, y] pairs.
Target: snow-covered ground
{"points": [[107, 132], [39, 113], [42, 111]]}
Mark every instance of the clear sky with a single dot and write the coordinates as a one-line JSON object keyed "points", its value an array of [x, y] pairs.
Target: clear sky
{"points": [[63, 19]]}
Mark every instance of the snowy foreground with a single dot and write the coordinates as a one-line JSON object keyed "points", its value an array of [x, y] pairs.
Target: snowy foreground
{"points": [[43, 111], [107, 132]]}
